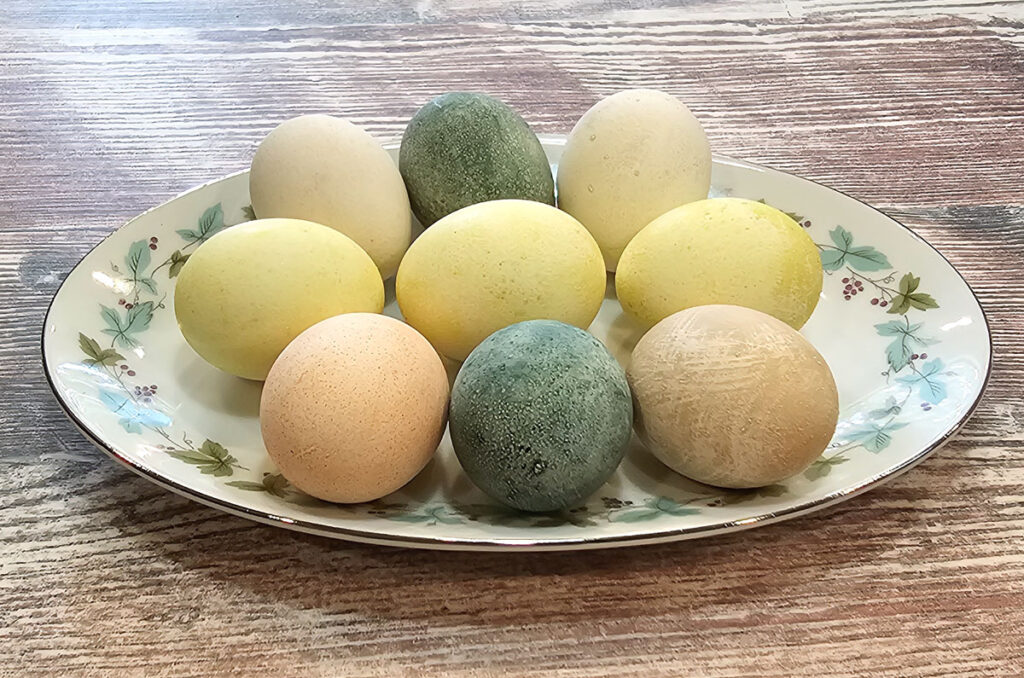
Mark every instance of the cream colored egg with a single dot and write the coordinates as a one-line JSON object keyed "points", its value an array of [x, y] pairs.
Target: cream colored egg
{"points": [[721, 251], [354, 407], [632, 157], [731, 397], [496, 263], [251, 289], [327, 170]]}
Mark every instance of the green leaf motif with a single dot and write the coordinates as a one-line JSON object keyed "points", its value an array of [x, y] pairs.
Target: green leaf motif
{"points": [[249, 213], [135, 320], [742, 496], [138, 258], [272, 483], [927, 382], [898, 353], [96, 354], [211, 221], [860, 258], [891, 408], [177, 262], [823, 466], [875, 437], [909, 297], [211, 459]]}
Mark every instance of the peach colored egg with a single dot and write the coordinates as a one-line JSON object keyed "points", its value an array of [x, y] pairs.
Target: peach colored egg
{"points": [[354, 407]]}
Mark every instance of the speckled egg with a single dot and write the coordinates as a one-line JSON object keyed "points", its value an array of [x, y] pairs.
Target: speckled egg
{"points": [[540, 415], [463, 148], [720, 251], [496, 263], [354, 408], [327, 170], [632, 157], [252, 288], [730, 396]]}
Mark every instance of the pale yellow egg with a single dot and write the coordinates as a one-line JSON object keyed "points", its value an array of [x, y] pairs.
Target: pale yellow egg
{"points": [[496, 263], [720, 251], [329, 171], [251, 289], [632, 157]]}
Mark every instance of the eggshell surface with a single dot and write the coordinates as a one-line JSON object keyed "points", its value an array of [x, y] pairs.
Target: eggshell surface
{"points": [[720, 251], [731, 397], [496, 263], [632, 157], [249, 290], [540, 415], [354, 408], [327, 170]]}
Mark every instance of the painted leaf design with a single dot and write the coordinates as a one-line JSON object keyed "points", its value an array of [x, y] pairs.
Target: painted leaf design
{"points": [[138, 258], [832, 260], [211, 221], [875, 437], [211, 459], [749, 495], [900, 350], [636, 515], [867, 259], [842, 238], [909, 297], [96, 354], [247, 485], [792, 215], [671, 507], [249, 213], [272, 483], [177, 262], [891, 408], [864, 258], [930, 387], [133, 417], [135, 320], [823, 466]]}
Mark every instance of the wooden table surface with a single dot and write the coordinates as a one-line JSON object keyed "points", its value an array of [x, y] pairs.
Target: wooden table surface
{"points": [[110, 106]]}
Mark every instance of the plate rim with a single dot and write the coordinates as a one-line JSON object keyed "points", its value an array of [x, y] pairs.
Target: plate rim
{"points": [[526, 544]]}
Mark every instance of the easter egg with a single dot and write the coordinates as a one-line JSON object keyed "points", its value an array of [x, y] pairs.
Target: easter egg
{"points": [[496, 263], [730, 396], [720, 251], [327, 170], [251, 289], [632, 157], [463, 148], [354, 408], [540, 415]]}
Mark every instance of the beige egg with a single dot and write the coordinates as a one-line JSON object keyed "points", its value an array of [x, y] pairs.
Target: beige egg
{"points": [[327, 170], [354, 408], [732, 397], [632, 157]]}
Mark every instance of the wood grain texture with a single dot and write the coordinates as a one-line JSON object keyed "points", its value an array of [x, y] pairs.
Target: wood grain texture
{"points": [[110, 106]]}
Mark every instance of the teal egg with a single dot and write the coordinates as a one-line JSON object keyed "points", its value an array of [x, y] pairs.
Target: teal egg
{"points": [[540, 415]]}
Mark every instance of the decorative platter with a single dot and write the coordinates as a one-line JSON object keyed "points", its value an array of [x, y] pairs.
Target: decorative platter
{"points": [[903, 333]]}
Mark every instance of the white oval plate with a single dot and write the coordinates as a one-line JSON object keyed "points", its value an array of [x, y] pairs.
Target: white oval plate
{"points": [[910, 367]]}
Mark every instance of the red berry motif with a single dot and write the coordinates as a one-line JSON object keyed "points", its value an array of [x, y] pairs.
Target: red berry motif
{"points": [[924, 356], [883, 303], [846, 280], [152, 246], [914, 356], [124, 367], [129, 306], [131, 373], [874, 302], [120, 302]]}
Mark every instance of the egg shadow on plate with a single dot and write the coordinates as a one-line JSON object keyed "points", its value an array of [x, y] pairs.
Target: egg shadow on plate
{"points": [[215, 389]]}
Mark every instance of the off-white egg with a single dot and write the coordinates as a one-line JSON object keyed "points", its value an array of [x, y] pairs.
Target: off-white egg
{"points": [[354, 407], [632, 157], [730, 396], [327, 170]]}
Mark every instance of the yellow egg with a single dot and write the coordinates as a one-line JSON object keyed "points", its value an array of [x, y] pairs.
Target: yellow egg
{"points": [[632, 157], [720, 251], [496, 263], [354, 407], [251, 289], [329, 171]]}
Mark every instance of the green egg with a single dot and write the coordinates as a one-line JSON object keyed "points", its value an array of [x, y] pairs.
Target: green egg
{"points": [[540, 415], [464, 148]]}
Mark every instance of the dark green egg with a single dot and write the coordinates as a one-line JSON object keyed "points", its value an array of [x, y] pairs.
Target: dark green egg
{"points": [[540, 415], [464, 148]]}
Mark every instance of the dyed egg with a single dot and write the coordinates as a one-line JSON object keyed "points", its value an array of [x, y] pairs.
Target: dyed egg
{"points": [[463, 148], [251, 289], [329, 171], [632, 157], [540, 415], [496, 263], [720, 251], [731, 397], [354, 408]]}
